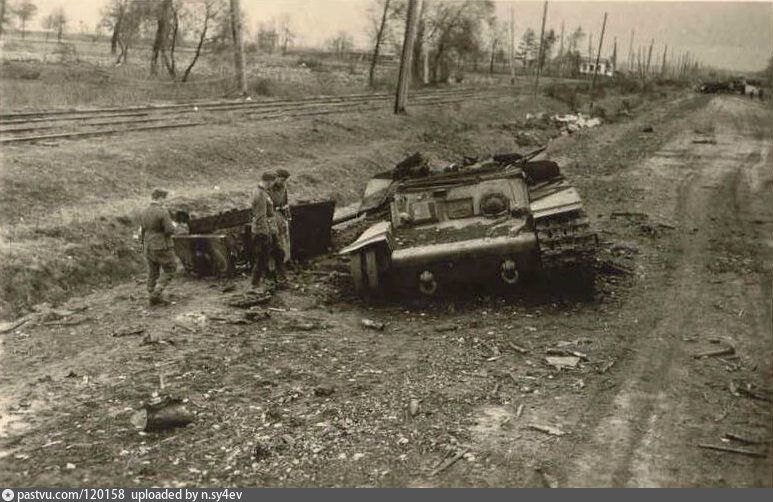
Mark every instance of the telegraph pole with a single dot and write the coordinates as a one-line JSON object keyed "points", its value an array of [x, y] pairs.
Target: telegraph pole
{"points": [[561, 53], [541, 48], [598, 57], [236, 28], [512, 45], [401, 97], [663, 65], [649, 57]]}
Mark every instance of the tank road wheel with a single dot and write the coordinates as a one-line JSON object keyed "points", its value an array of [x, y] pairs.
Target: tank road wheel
{"points": [[355, 265], [371, 268], [366, 274]]}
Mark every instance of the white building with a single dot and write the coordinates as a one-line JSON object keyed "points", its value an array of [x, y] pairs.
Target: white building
{"points": [[605, 68]]}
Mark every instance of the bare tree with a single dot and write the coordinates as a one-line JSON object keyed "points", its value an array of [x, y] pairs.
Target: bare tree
{"points": [[286, 31], [58, 21], [25, 10], [454, 28], [126, 18], [268, 37], [497, 34], [3, 19], [341, 44], [163, 13], [379, 38], [212, 9]]}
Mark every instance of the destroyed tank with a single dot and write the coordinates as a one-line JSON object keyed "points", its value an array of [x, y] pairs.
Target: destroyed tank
{"points": [[500, 220]]}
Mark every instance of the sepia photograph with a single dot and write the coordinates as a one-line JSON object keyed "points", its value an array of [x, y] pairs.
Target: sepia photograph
{"points": [[384, 244]]}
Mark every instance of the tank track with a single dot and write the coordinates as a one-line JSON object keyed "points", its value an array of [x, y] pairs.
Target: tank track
{"points": [[566, 240]]}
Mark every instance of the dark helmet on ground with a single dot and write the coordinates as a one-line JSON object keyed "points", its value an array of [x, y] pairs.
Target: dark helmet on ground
{"points": [[282, 173]]}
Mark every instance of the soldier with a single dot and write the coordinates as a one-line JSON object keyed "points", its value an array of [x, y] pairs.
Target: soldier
{"points": [[156, 229], [262, 216], [280, 249]]}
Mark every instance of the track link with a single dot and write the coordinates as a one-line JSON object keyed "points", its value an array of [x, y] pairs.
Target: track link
{"points": [[566, 240]]}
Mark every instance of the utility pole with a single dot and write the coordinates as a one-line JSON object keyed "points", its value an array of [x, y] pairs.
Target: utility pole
{"points": [[512, 45], [236, 29], [541, 48], [401, 97], [649, 57], [561, 53], [598, 57], [663, 65], [614, 55]]}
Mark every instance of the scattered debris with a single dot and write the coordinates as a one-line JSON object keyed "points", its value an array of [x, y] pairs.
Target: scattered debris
{"points": [[378, 326], [742, 439], [519, 411], [517, 348], [12, 325], [563, 362], [166, 413], [565, 352], [413, 407], [571, 122], [129, 331], [448, 463], [256, 314], [547, 429], [248, 299], [728, 449], [705, 141], [323, 390], [748, 391], [183, 326], [725, 351], [648, 128], [606, 366], [614, 267], [303, 326]]}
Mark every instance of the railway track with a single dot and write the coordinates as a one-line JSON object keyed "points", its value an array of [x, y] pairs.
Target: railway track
{"points": [[41, 126]]}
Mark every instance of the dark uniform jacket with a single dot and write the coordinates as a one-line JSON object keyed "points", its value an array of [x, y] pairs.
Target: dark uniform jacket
{"points": [[279, 197], [157, 227], [262, 212]]}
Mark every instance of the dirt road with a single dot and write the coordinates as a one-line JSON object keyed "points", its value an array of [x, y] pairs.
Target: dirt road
{"points": [[456, 392]]}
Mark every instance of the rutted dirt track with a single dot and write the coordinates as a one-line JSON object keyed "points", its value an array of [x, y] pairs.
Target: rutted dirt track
{"points": [[311, 398]]}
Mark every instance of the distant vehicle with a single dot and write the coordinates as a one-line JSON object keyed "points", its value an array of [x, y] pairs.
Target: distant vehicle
{"points": [[496, 220]]}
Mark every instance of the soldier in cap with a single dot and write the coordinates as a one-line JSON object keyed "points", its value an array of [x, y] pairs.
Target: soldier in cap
{"points": [[280, 248], [156, 229], [262, 227]]}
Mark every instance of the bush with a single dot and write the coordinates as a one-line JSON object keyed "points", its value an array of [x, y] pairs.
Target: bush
{"points": [[262, 87], [566, 93]]}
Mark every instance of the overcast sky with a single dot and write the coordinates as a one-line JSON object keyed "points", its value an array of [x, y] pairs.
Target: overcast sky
{"points": [[733, 35]]}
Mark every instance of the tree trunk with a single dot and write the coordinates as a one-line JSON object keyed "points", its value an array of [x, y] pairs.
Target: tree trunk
{"points": [[2, 16], [198, 50], [116, 34], [169, 62], [493, 55], [377, 47], [162, 27]]}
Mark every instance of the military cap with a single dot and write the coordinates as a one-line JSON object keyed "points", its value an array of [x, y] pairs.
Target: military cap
{"points": [[158, 193], [268, 176], [283, 173]]}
